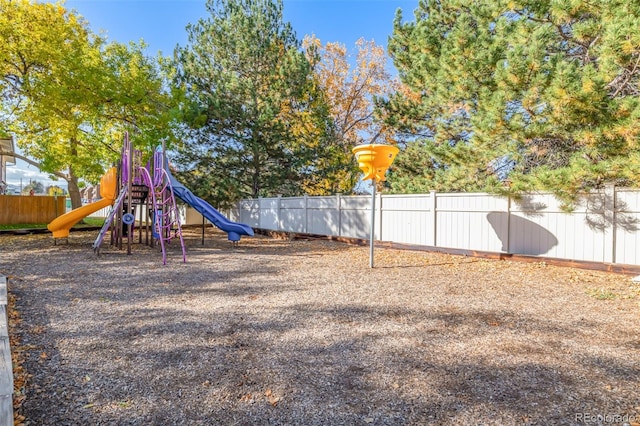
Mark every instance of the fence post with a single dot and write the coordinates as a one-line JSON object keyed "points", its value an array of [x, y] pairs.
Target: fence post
{"points": [[508, 243], [339, 208], [609, 215], [260, 214], [379, 213], [306, 214], [279, 213], [432, 218]]}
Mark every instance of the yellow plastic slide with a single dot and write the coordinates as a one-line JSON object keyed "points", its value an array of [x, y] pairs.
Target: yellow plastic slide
{"points": [[61, 225]]}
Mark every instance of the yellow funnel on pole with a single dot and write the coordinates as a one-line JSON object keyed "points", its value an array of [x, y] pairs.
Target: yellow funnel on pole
{"points": [[374, 160]]}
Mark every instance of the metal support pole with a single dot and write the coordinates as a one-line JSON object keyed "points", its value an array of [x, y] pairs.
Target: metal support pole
{"points": [[372, 231], [129, 195]]}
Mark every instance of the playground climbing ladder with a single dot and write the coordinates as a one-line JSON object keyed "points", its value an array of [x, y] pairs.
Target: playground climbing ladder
{"points": [[107, 222], [165, 211]]}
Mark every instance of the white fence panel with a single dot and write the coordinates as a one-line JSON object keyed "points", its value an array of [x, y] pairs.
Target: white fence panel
{"points": [[293, 215], [355, 219], [355, 223], [405, 218], [292, 203], [406, 227], [293, 220], [249, 213], [604, 226], [534, 224], [323, 202], [269, 212], [497, 234], [547, 235], [323, 221], [323, 215], [479, 202], [419, 203], [469, 221], [485, 234], [461, 230], [538, 226], [538, 203], [627, 227], [357, 202]]}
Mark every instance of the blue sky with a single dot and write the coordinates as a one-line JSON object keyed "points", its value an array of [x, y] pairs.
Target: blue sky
{"points": [[161, 24]]}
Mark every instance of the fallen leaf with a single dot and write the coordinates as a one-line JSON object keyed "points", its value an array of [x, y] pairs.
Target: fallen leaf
{"points": [[273, 400], [271, 397]]}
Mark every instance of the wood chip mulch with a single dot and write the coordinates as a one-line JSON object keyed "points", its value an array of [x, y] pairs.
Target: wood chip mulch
{"points": [[280, 332]]}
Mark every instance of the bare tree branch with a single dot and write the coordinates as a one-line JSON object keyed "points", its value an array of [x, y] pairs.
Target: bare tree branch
{"points": [[33, 163]]}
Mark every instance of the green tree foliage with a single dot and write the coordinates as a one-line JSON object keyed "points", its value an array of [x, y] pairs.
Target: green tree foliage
{"points": [[68, 96], [537, 94], [255, 117]]}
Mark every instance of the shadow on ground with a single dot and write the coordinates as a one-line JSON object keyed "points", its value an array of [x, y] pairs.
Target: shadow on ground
{"points": [[249, 336]]}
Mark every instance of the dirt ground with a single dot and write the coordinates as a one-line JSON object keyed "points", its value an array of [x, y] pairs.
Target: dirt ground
{"points": [[280, 332]]}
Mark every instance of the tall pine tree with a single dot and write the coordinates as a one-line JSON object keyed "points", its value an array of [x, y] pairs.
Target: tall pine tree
{"points": [[250, 95], [535, 94]]}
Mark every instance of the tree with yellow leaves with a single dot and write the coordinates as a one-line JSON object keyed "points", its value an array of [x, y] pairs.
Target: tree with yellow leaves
{"points": [[350, 90], [68, 95]]}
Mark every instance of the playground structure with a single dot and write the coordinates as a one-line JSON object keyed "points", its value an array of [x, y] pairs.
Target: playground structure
{"points": [[61, 225], [374, 160], [149, 189]]}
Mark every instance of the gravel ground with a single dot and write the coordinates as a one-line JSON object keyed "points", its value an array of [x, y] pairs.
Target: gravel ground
{"points": [[279, 332]]}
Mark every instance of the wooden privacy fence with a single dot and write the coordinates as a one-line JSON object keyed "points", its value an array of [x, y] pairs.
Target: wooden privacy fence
{"points": [[19, 209], [604, 227]]}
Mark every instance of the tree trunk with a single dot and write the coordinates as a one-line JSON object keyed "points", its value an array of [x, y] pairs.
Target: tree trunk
{"points": [[72, 179], [74, 190]]}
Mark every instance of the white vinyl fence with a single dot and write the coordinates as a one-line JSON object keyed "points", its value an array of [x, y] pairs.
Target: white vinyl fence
{"points": [[605, 226]]}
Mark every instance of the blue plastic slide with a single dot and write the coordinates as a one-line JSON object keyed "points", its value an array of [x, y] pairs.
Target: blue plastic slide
{"points": [[233, 229]]}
